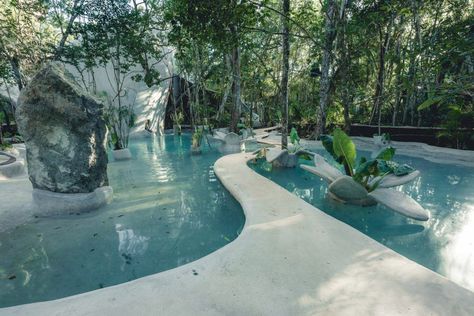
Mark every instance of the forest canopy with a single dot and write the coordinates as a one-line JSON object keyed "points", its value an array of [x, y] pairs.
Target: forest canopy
{"points": [[311, 64]]}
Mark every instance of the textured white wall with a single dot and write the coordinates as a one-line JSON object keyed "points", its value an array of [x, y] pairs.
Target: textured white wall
{"points": [[149, 103]]}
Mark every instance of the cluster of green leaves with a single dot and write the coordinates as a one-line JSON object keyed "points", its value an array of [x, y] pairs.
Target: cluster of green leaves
{"points": [[197, 136], [343, 150], [119, 120]]}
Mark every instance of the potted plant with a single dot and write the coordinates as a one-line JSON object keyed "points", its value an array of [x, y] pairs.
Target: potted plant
{"points": [[119, 119], [286, 157], [381, 140], [178, 119]]}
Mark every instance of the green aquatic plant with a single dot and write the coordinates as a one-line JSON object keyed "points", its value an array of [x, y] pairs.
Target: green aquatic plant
{"points": [[341, 147], [297, 148], [197, 138], [178, 119]]}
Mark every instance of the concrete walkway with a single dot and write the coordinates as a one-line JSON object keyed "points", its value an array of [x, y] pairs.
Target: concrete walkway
{"points": [[291, 259]]}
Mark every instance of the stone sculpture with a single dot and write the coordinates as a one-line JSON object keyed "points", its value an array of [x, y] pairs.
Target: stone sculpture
{"points": [[65, 138]]}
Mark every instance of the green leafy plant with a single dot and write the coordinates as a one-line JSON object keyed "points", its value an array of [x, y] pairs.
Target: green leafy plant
{"points": [[119, 121], [295, 141], [297, 147], [341, 147], [178, 119], [197, 138]]}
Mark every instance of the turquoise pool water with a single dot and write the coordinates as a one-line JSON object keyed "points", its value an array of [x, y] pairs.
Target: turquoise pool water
{"points": [[169, 209], [444, 244]]}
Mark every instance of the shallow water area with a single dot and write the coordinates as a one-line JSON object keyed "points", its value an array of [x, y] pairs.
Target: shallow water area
{"points": [[444, 244], [168, 209]]}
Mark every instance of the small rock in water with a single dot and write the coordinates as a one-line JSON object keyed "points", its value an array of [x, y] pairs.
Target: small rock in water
{"points": [[120, 215], [12, 277], [92, 250], [95, 235]]}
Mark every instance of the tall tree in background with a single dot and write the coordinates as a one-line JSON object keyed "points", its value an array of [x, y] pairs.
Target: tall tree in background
{"points": [[327, 52], [285, 70]]}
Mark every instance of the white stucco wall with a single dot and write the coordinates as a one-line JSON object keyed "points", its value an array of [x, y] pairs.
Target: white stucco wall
{"points": [[149, 103]]}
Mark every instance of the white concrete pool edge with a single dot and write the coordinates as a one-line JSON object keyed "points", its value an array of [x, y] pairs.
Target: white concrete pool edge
{"points": [[291, 259], [431, 153]]}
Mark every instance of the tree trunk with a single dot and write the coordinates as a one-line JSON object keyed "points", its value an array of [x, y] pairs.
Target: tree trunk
{"points": [[326, 63], [236, 89], [398, 82], [416, 45], [285, 71], [378, 97], [346, 85], [227, 85], [74, 14], [16, 68]]}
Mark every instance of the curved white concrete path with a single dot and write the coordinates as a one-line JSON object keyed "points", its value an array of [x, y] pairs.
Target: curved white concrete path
{"points": [[291, 259]]}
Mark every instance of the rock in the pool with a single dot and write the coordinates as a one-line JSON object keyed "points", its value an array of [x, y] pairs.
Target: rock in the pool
{"points": [[347, 189], [64, 133]]}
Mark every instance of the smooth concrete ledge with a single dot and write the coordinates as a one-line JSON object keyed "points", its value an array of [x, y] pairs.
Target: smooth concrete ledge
{"points": [[290, 259], [46, 203], [15, 202], [421, 150], [12, 170], [21, 149]]}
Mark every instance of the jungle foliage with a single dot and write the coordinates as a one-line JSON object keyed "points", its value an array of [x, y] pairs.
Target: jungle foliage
{"points": [[313, 65]]}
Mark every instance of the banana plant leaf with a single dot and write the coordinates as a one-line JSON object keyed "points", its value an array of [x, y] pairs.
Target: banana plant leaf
{"points": [[345, 149]]}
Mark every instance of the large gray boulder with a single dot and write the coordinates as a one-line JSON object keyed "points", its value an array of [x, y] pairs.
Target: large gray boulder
{"points": [[64, 132]]}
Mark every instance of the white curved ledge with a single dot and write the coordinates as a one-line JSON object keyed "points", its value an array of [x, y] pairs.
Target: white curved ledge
{"points": [[291, 259]]}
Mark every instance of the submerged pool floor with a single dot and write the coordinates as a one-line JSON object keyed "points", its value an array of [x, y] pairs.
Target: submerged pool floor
{"points": [[444, 244], [168, 209]]}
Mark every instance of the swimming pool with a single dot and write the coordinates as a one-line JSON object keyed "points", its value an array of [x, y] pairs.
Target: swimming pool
{"points": [[444, 244], [169, 209]]}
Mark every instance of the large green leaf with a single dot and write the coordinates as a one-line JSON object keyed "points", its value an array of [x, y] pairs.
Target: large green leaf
{"points": [[386, 153], [386, 166], [344, 148], [429, 102], [294, 138], [366, 169]]}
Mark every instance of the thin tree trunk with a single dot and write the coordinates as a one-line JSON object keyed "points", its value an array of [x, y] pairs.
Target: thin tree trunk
{"points": [[236, 89], [285, 71], [398, 82], [74, 14], [379, 89], [326, 63], [227, 86], [16, 68]]}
